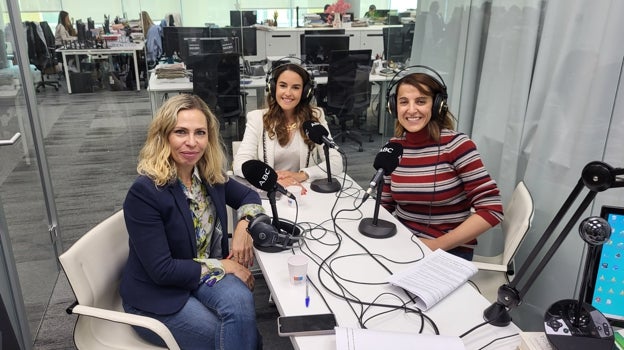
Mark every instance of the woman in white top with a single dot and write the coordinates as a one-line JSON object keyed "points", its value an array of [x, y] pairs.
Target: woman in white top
{"points": [[275, 134], [64, 30]]}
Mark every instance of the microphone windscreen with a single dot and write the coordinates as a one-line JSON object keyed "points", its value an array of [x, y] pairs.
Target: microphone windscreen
{"points": [[388, 157], [315, 131], [260, 175]]}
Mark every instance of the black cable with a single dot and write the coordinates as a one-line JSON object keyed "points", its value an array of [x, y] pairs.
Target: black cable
{"points": [[497, 339]]}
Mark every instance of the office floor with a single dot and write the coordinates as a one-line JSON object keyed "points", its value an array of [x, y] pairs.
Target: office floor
{"points": [[91, 142]]}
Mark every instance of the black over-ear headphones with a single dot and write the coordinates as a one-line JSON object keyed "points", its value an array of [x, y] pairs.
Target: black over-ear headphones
{"points": [[308, 79], [268, 239], [440, 106]]}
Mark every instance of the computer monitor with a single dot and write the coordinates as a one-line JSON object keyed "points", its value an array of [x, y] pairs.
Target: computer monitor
{"points": [[90, 24], [246, 38], [324, 31], [81, 30], [315, 49], [203, 46], [173, 37], [606, 284], [243, 18]]}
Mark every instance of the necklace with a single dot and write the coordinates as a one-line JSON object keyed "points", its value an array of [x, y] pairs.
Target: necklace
{"points": [[292, 126]]}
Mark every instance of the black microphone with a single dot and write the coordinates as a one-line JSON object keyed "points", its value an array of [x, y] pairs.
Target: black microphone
{"points": [[319, 134], [385, 162], [263, 177]]}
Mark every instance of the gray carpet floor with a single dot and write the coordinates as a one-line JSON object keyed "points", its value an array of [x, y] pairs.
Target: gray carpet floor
{"points": [[92, 141]]}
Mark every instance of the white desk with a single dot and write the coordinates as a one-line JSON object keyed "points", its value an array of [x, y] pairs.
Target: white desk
{"points": [[129, 48], [454, 315], [159, 88]]}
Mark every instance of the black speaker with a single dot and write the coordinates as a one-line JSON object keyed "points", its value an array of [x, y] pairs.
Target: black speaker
{"points": [[440, 105], [308, 80], [268, 239]]}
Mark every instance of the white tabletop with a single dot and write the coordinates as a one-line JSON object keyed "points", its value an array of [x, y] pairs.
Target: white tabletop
{"points": [[454, 315]]}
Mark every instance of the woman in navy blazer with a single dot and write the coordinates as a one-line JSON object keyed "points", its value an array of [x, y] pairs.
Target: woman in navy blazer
{"points": [[180, 268]]}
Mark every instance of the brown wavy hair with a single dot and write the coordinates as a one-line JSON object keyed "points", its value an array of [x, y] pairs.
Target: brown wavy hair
{"points": [[427, 86], [273, 119], [155, 159], [63, 19]]}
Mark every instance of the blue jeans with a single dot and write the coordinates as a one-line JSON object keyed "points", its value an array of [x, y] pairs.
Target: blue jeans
{"points": [[468, 255], [221, 317]]}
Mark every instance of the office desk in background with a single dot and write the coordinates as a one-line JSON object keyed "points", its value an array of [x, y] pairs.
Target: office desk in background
{"points": [[126, 48], [160, 88], [454, 315]]}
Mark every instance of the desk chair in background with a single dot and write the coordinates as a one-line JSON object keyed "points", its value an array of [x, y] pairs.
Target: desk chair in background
{"points": [[495, 271], [348, 91], [93, 267], [41, 52], [216, 80]]}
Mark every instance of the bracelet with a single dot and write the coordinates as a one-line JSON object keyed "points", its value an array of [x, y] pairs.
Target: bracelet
{"points": [[247, 218]]}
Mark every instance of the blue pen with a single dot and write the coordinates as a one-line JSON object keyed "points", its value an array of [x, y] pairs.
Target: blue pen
{"points": [[307, 298]]}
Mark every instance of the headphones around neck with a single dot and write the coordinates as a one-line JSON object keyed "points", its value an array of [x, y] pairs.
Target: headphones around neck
{"points": [[309, 84], [440, 105], [269, 239]]}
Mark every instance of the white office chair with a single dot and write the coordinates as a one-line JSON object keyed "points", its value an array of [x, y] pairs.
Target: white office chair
{"points": [[93, 267], [494, 271]]}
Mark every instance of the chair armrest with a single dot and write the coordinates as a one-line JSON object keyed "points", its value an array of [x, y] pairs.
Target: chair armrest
{"points": [[490, 267], [131, 319]]}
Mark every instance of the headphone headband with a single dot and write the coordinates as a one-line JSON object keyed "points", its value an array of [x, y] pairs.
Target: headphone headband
{"points": [[393, 82], [309, 84]]}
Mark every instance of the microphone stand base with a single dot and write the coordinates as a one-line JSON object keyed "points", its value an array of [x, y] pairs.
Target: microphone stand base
{"points": [[324, 186], [497, 315], [383, 228]]}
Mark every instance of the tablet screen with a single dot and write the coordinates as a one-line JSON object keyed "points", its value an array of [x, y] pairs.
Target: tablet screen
{"points": [[606, 286]]}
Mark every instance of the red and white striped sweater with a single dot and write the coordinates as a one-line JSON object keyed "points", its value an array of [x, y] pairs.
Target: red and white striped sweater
{"points": [[436, 184]]}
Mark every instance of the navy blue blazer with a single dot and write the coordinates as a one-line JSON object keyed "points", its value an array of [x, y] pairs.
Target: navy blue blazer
{"points": [[160, 273]]}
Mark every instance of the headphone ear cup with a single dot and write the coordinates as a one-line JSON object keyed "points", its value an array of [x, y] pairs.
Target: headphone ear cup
{"points": [[391, 106], [439, 108], [271, 87], [261, 230]]}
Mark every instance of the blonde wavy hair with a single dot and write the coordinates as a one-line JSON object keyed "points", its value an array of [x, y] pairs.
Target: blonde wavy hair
{"points": [[146, 22], [155, 159]]}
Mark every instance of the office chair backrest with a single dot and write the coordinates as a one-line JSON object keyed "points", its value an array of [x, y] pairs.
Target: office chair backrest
{"points": [[518, 219], [96, 260], [93, 266], [216, 79], [348, 84]]}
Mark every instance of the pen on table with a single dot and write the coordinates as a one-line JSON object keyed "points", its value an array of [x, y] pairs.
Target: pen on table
{"points": [[307, 298]]}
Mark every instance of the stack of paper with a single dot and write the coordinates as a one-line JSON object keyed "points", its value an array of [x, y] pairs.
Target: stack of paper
{"points": [[434, 277], [170, 71]]}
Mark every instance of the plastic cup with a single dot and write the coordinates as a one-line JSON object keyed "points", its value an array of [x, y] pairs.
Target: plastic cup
{"points": [[297, 269]]}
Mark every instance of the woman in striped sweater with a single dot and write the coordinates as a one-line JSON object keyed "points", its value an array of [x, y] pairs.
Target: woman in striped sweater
{"points": [[441, 190]]}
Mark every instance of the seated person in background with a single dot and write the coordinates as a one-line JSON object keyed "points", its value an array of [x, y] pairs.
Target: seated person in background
{"points": [[180, 269], [64, 30], [440, 177], [153, 39], [372, 12], [275, 135]]}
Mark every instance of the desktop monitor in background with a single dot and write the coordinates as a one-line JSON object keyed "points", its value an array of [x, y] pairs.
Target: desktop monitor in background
{"points": [[315, 49], [198, 46], [324, 31], [243, 18], [606, 284], [81, 30], [90, 24], [173, 37], [244, 38]]}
